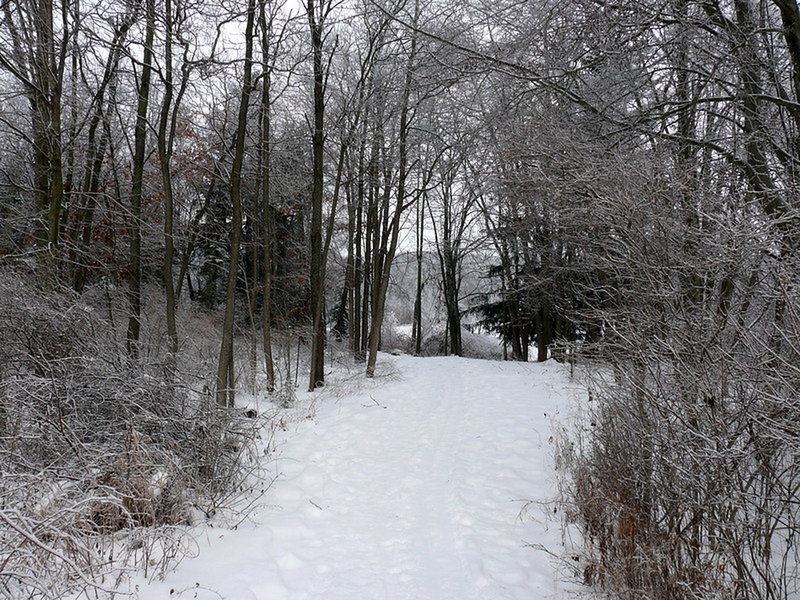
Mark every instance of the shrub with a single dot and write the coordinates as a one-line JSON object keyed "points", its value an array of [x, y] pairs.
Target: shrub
{"points": [[93, 444]]}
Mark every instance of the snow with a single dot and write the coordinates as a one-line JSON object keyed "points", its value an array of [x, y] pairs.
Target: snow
{"points": [[434, 484]]}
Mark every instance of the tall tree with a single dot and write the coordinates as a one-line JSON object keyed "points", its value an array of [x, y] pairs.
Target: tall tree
{"points": [[97, 142], [226, 384], [269, 49], [137, 183], [36, 58], [317, 14], [385, 242], [166, 142]]}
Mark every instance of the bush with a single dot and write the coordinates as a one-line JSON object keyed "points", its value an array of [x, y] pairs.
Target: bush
{"points": [[93, 444], [685, 479], [473, 345]]}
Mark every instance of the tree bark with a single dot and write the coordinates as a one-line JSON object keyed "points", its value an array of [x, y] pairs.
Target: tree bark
{"points": [[416, 327], [140, 140], [266, 211], [317, 268], [388, 245], [225, 390], [95, 154], [165, 148]]}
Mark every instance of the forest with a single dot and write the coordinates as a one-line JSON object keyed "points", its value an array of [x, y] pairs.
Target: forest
{"points": [[201, 199]]}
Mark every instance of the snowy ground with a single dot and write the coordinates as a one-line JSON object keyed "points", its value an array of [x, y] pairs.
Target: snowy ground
{"points": [[433, 484]]}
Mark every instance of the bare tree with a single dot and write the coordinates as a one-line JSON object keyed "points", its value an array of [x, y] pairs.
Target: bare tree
{"points": [[385, 247], [35, 56], [226, 384], [137, 178]]}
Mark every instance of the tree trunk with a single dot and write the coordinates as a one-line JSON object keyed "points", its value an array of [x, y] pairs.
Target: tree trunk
{"points": [[140, 139], [350, 268], [386, 251], [37, 62], [266, 212], [416, 327], [225, 391], [165, 147], [544, 333], [359, 314], [317, 275]]}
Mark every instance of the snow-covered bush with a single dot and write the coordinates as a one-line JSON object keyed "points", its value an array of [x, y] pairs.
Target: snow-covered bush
{"points": [[473, 345], [686, 477], [395, 336], [93, 444]]}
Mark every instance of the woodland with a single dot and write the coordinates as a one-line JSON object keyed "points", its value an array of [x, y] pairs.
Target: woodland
{"points": [[200, 198]]}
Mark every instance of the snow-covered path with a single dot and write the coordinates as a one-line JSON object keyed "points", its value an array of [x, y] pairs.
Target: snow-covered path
{"points": [[419, 487]]}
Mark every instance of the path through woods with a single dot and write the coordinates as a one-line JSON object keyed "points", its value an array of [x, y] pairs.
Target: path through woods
{"points": [[417, 487]]}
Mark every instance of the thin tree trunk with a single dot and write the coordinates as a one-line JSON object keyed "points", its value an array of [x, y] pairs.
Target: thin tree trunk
{"points": [[544, 332], [69, 180], [350, 268], [140, 139], [225, 391], [194, 233], [165, 156], [416, 327], [356, 326], [95, 155], [50, 78], [389, 241], [317, 275], [89, 190], [39, 68], [266, 212]]}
